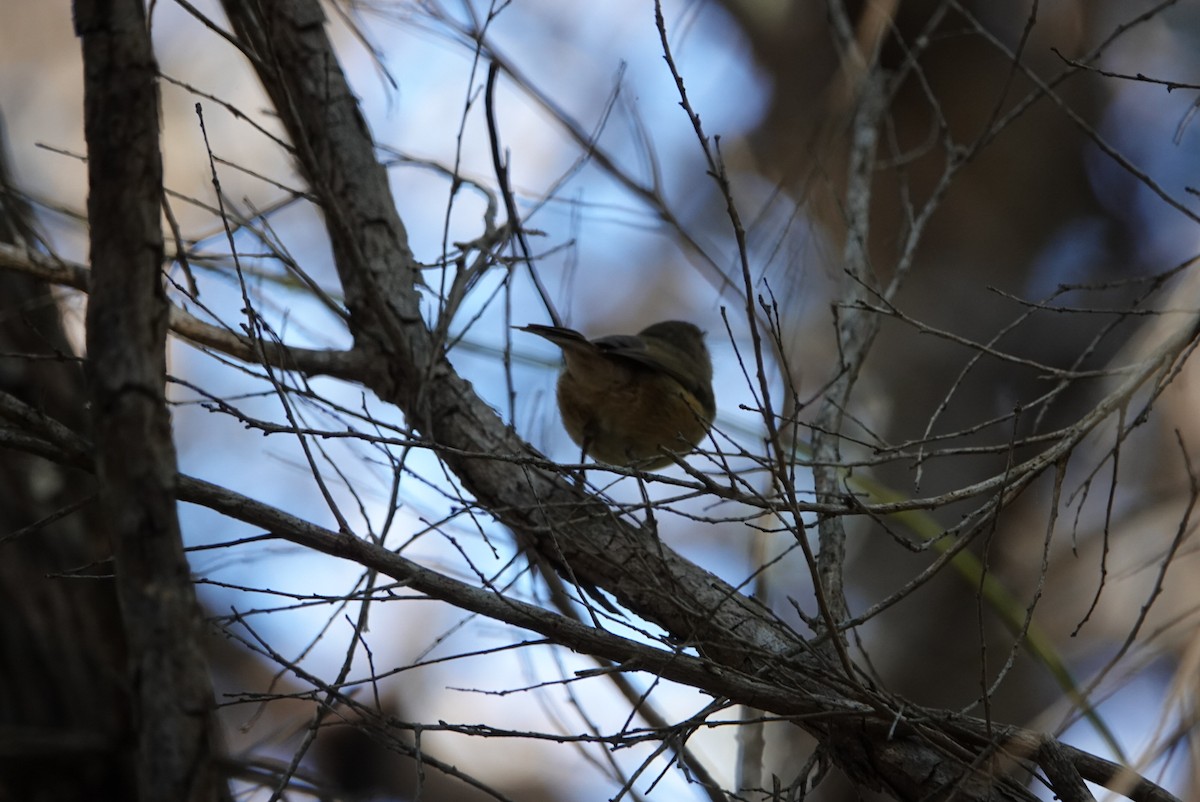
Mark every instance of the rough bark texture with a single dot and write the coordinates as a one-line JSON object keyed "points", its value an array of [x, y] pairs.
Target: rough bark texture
{"points": [[135, 455], [287, 41], [730, 646]]}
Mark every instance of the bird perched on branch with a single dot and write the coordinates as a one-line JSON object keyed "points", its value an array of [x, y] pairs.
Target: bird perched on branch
{"points": [[635, 399]]}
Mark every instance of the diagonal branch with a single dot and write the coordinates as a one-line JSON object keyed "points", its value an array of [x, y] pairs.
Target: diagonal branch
{"points": [[405, 364], [901, 734]]}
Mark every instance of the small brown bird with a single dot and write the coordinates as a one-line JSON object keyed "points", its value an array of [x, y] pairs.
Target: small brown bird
{"points": [[633, 399]]}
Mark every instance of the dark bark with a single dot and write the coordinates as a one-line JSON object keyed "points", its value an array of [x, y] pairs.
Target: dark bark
{"points": [[745, 652], [135, 456], [288, 46]]}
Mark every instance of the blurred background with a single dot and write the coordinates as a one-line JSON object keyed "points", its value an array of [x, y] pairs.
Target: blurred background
{"points": [[1055, 215]]}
